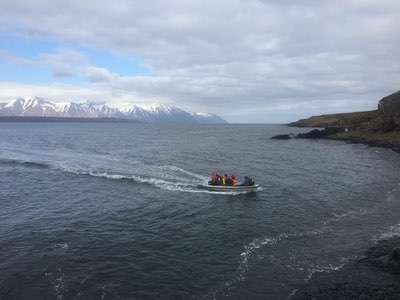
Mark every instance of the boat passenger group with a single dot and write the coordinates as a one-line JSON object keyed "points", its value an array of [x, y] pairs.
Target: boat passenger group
{"points": [[217, 179]]}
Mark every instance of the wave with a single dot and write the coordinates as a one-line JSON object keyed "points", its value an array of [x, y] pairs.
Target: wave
{"points": [[180, 170], [320, 269], [10, 162], [393, 231], [138, 179], [337, 217], [251, 248], [56, 249], [323, 269], [250, 251], [58, 280], [178, 185], [166, 177], [246, 255]]}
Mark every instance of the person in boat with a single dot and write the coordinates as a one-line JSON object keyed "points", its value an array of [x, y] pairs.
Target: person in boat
{"points": [[229, 180], [225, 179], [220, 180], [248, 181], [217, 179], [214, 179], [251, 181], [233, 180]]}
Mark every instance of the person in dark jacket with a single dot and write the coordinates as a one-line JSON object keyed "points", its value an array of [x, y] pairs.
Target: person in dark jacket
{"points": [[219, 180], [248, 181], [229, 180]]}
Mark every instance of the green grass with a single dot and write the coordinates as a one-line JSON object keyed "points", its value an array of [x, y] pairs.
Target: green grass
{"points": [[389, 139]]}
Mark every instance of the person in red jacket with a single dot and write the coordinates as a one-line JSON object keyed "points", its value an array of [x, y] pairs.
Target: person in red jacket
{"points": [[214, 178], [233, 180]]}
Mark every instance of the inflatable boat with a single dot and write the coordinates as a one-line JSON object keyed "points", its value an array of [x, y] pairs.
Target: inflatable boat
{"points": [[230, 188]]}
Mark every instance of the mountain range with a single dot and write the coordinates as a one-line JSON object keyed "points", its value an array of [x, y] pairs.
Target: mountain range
{"points": [[161, 113]]}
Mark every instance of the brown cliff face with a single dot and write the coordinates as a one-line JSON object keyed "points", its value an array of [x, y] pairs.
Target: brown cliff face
{"points": [[390, 105], [388, 114]]}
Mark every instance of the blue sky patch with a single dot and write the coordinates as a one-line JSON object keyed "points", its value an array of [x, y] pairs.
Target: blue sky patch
{"points": [[33, 48]]}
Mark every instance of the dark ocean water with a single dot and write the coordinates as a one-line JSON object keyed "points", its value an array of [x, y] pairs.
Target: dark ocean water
{"points": [[111, 211]]}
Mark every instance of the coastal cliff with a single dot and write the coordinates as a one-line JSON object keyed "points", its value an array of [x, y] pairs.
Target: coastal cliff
{"points": [[380, 127]]}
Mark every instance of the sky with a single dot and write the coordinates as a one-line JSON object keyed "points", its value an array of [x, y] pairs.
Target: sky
{"points": [[249, 61]]}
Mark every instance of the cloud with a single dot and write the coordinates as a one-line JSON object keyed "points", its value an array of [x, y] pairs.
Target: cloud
{"points": [[64, 63], [95, 74], [233, 57]]}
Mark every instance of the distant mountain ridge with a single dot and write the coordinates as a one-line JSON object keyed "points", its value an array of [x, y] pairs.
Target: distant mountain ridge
{"points": [[40, 107]]}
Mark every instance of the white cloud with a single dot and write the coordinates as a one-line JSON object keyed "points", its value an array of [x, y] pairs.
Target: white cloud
{"points": [[10, 90], [226, 56]]}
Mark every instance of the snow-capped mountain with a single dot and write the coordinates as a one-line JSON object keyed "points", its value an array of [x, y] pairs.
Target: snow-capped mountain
{"points": [[40, 107], [160, 114], [206, 118], [32, 106]]}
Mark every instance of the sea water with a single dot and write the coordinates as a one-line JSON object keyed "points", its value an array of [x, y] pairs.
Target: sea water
{"points": [[112, 210]]}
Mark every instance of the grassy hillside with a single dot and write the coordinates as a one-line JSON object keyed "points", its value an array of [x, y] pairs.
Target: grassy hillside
{"points": [[344, 120], [379, 127]]}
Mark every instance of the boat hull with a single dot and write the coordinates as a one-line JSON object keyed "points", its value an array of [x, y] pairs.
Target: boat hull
{"points": [[228, 188]]}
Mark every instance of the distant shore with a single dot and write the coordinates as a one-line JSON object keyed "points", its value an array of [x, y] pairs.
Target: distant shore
{"points": [[378, 128]]}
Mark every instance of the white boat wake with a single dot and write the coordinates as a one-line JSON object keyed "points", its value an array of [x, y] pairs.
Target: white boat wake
{"points": [[166, 177]]}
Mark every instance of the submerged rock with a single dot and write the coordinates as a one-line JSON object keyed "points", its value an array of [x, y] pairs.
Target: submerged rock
{"points": [[282, 137]]}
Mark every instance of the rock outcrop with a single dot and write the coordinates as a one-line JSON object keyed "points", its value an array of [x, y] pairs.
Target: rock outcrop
{"points": [[380, 127], [388, 118], [282, 137], [384, 119], [319, 133]]}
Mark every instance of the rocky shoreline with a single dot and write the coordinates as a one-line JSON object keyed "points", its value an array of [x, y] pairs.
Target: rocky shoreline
{"points": [[376, 275], [390, 140], [385, 140]]}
